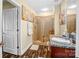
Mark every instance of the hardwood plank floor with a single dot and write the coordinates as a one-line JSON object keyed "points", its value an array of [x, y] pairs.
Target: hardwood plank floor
{"points": [[42, 52], [9, 55]]}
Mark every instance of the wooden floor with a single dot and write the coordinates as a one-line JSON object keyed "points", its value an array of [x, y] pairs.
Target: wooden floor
{"points": [[8, 55], [42, 52]]}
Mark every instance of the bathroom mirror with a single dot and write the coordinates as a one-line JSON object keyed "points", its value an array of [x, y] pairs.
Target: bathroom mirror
{"points": [[71, 20], [71, 16], [68, 17]]}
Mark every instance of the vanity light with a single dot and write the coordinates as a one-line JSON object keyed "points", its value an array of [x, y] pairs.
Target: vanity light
{"points": [[72, 6], [44, 9]]}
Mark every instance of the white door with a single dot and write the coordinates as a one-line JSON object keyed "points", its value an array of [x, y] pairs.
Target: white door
{"points": [[10, 30], [1, 28]]}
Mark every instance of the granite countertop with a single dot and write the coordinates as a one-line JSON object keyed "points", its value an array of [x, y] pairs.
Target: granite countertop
{"points": [[64, 46], [61, 44]]}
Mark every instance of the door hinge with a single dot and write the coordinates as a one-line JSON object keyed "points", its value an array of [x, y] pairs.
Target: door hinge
{"points": [[17, 47], [17, 29]]}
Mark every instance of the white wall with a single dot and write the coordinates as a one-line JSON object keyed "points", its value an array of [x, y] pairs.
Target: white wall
{"points": [[77, 30], [0, 27], [26, 41], [56, 21]]}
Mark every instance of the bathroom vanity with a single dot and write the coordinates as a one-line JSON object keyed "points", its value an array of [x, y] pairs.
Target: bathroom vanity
{"points": [[61, 48], [62, 52]]}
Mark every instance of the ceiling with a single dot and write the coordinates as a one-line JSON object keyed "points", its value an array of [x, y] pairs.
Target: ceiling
{"points": [[70, 2], [47, 7], [71, 6], [43, 6]]}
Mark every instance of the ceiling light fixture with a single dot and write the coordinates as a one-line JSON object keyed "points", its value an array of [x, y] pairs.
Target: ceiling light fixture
{"points": [[44, 9], [72, 6]]}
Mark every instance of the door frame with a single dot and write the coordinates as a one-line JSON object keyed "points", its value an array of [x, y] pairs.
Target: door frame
{"points": [[16, 4]]}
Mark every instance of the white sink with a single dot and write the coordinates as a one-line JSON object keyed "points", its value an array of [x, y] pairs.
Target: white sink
{"points": [[60, 42]]}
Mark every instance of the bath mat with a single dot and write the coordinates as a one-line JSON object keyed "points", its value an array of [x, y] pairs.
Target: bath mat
{"points": [[34, 47]]}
